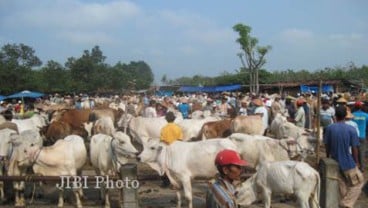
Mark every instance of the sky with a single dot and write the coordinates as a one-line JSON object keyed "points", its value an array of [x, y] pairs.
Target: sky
{"points": [[186, 38]]}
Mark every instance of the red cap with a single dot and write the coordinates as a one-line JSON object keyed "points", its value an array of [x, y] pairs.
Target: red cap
{"points": [[358, 104], [229, 157]]}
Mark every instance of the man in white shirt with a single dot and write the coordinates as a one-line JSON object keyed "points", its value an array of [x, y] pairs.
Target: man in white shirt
{"points": [[262, 111]]}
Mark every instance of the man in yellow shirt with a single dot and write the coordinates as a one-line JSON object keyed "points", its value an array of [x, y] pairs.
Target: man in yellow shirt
{"points": [[169, 134], [171, 131]]}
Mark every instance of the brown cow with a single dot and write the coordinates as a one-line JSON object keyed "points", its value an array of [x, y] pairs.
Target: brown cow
{"points": [[59, 130], [215, 129], [252, 125]]}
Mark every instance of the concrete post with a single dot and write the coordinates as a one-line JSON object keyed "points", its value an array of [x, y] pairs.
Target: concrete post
{"points": [[128, 172], [330, 194]]}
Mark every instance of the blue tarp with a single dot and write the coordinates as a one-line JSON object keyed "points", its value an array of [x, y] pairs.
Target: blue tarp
{"points": [[26, 94], [164, 93], [209, 88], [313, 88]]}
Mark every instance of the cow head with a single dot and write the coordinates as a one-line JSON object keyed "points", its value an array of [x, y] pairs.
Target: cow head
{"points": [[5, 145], [88, 127], [246, 192], [151, 151], [122, 146], [23, 145]]}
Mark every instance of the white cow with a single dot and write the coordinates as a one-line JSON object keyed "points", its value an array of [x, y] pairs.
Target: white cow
{"points": [[15, 145], [283, 177], [109, 153], [65, 157], [255, 148], [104, 125], [182, 161], [36, 122]]}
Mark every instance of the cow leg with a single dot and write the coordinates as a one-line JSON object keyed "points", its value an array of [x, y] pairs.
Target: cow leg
{"points": [[61, 198], [107, 199], [81, 194], [266, 197], [19, 194], [2, 191], [187, 186], [178, 197], [77, 198], [303, 200]]}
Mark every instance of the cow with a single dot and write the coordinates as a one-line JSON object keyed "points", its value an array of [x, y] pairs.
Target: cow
{"points": [[109, 153], [191, 127], [215, 129], [256, 148], [15, 145], [74, 117], [182, 161], [248, 125], [36, 122], [54, 131], [102, 125], [64, 158], [283, 177]]}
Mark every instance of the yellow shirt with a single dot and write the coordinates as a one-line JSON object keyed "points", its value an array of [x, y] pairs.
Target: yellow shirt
{"points": [[170, 133]]}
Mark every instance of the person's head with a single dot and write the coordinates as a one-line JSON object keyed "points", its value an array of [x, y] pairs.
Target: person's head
{"points": [[257, 102], [8, 115], [358, 105], [340, 112], [341, 101], [229, 164], [224, 99], [300, 102], [170, 117], [152, 102], [325, 103]]}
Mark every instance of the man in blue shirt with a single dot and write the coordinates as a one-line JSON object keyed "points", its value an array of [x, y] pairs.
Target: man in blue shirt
{"points": [[361, 119], [338, 139]]}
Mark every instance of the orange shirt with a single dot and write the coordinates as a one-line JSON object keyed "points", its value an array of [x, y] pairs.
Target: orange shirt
{"points": [[170, 133]]}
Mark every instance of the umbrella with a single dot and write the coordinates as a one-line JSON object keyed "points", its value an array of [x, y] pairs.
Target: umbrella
{"points": [[26, 93]]}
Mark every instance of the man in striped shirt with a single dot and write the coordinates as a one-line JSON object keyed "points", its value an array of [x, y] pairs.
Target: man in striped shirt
{"points": [[221, 193]]}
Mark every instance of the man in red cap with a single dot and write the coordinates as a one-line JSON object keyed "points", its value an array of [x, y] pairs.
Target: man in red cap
{"points": [[221, 193]]}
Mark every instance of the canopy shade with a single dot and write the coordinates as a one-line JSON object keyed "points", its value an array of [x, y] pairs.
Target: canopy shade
{"points": [[26, 94], [210, 88]]}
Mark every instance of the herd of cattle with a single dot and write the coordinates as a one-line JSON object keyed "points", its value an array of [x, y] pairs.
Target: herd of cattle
{"points": [[60, 143]]}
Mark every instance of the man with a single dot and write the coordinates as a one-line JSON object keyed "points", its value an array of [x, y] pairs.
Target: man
{"points": [[300, 113], [338, 139], [8, 115], [221, 193], [276, 107], [327, 114], [361, 119], [262, 111], [170, 133]]}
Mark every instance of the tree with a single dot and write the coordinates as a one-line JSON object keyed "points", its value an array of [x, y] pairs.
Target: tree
{"points": [[254, 55], [16, 63], [53, 77]]}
